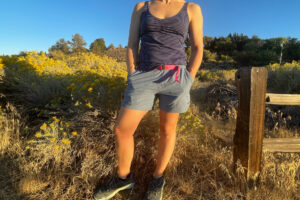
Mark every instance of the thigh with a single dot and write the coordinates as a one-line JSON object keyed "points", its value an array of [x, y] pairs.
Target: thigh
{"points": [[129, 119]]}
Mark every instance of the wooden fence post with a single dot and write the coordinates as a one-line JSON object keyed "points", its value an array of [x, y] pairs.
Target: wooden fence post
{"points": [[247, 143]]}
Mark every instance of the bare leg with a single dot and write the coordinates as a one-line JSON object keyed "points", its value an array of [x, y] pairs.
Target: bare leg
{"points": [[127, 122], [168, 123]]}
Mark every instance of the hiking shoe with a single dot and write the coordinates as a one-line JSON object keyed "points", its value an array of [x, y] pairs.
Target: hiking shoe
{"points": [[155, 189], [115, 185]]}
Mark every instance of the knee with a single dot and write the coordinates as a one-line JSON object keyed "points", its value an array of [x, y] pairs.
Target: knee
{"points": [[167, 131], [121, 131]]}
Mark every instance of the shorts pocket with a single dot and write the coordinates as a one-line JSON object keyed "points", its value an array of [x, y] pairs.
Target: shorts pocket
{"points": [[189, 75], [134, 72]]}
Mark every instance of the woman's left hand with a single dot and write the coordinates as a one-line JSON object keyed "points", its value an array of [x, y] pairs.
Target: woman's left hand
{"points": [[192, 75]]}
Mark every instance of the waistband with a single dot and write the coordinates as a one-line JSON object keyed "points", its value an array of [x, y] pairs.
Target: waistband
{"points": [[180, 66], [172, 67]]}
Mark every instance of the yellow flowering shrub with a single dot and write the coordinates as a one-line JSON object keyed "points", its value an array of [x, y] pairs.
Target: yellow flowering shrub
{"points": [[41, 63], [216, 74], [189, 124], [1, 68], [277, 66], [56, 133], [1, 64], [89, 80], [284, 78]]}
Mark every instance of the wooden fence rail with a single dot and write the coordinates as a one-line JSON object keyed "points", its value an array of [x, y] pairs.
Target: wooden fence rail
{"points": [[283, 99], [248, 141], [281, 144]]}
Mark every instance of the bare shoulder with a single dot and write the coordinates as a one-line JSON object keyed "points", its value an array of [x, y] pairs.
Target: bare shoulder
{"points": [[194, 7], [194, 11], [137, 11], [139, 6]]}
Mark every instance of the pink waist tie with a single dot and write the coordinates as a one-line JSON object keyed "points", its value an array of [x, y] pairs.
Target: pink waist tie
{"points": [[162, 67]]}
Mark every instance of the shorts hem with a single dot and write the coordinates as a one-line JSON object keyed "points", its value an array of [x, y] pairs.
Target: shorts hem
{"points": [[134, 108], [174, 111]]}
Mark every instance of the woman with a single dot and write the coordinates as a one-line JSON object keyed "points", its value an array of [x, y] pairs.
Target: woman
{"points": [[160, 71]]}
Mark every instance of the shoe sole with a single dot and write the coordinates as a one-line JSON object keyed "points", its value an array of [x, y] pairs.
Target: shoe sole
{"points": [[129, 186], [162, 190]]}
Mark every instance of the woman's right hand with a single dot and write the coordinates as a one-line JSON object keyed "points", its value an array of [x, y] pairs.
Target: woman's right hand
{"points": [[130, 72]]}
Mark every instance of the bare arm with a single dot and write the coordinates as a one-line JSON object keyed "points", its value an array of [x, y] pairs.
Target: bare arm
{"points": [[196, 38], [133, 39]]}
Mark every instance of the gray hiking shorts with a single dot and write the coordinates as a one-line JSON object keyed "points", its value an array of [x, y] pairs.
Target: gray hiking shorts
{"points": [[145, 87]]}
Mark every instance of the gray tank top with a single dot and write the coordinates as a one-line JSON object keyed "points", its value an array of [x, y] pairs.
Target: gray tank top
{"points": [[162, 40]]}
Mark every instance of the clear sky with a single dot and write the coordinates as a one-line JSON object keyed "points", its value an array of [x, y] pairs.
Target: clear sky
{"points": [[27, 25]]}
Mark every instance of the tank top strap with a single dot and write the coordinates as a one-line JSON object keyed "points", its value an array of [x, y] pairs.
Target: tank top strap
{"points": [[146, 6], [185, 6]]}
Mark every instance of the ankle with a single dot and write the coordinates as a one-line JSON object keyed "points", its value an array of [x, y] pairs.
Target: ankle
{"points": [[157, 176], [124, 177]]}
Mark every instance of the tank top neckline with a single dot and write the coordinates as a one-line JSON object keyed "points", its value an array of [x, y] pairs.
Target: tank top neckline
{"points": [[148, 10]]}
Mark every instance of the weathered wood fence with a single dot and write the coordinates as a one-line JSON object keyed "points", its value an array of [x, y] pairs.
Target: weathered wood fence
{"points": [[248, 142]]}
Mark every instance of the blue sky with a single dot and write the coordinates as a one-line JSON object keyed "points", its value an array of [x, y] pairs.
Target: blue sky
{"points": [[37, 25]]}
